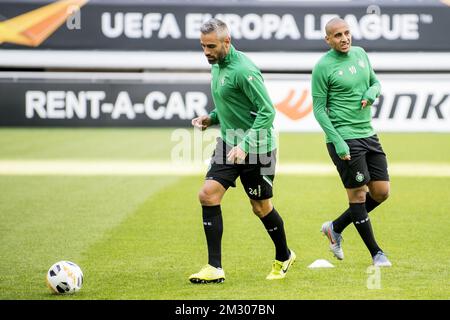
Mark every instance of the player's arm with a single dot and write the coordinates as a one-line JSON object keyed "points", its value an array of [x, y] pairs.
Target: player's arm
{"points": [[252, 84], [319, 93], [375, 87]]}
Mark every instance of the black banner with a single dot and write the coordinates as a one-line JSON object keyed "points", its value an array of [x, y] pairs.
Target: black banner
{"points": [[208, 309], [408, 103], [119, 103], [254, 25]]}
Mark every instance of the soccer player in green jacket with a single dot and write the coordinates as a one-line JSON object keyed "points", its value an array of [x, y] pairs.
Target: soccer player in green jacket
{"points": [[344, 86], [246, 149]]}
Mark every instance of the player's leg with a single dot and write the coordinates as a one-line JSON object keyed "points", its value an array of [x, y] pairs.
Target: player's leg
{"points": [[257, 180], [210, 196], [272, 221], [379, 185], [378, 190], [344, 220], [360, 218], [274, 225], [355, 179], [374, 197], [362, 223], [352, 175], [219, 178]]}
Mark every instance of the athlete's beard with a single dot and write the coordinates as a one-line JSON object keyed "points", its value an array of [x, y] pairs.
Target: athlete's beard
{"points": [[220, 56]]}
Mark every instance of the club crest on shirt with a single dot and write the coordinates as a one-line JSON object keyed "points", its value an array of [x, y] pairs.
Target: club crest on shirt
{"points": [[340, 72], [361, 63], [222, 81]]}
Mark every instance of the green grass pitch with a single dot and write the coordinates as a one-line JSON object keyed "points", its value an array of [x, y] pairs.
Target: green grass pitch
{"points": [[140, 237]]}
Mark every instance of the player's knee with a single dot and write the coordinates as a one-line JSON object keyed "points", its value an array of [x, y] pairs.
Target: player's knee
{"points": [[261, 209], [357, 196], [381, 196], [360, 198], [208, 198], [257, 210]]}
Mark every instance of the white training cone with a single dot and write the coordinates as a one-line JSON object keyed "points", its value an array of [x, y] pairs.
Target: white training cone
{"points": [[320, 263]]}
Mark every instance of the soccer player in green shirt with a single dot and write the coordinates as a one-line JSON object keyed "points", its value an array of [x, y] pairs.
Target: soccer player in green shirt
{"points": [[246, 149], [344, 86]]}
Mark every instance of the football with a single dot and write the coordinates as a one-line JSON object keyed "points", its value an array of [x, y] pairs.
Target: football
{"points": [[64, 277]]}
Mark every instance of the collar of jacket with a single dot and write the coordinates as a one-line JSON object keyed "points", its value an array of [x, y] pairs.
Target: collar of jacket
{"points": [[228, 57]]}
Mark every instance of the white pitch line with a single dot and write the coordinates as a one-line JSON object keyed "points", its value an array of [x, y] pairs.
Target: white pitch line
{"points": [[70, 167], [101, 167]]}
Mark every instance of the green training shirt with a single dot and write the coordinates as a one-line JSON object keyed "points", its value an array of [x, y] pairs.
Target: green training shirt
{"points": [[243, 107], [339, 82]]}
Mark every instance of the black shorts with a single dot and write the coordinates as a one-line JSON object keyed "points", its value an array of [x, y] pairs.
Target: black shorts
{"points": [[256, 173], [368, 162]]}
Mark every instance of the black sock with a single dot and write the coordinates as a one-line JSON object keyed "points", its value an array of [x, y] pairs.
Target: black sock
{"points": [[345, 219], [362, 223], [213, 226], [275, 227]]}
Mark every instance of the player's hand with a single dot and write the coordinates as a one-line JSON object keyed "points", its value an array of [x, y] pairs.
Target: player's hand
{"points": [[201, 122], [236, 155], [342, 150], [364, 103]]}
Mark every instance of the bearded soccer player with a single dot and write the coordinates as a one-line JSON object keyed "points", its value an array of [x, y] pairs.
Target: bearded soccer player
{"points": [[246, 149], [344, 86]]}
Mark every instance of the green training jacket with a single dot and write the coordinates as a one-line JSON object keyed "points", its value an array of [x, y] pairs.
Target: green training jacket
{"points": [[339, 82], [243, 107]]}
